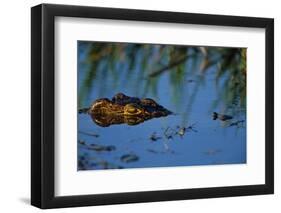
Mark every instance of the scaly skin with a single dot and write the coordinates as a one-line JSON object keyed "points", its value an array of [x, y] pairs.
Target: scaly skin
{"points": [[124, 109]]}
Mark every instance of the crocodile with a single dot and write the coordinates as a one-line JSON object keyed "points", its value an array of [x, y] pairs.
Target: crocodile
{"points": [[124, 109]]}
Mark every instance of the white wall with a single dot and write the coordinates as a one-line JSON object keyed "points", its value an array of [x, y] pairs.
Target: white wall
{"points": [[15, 105]]}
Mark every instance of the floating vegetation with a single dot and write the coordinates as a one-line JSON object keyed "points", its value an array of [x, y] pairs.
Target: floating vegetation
{"points": [[128, 158], [97, 147], [238, 124], [181, 131], [85, 163], [191, 128], [169, 133], [83, 110], [107, 165], [89, 134], [100, 148], [227, 118], [153, 151], [221, 117], [82, 142], [154, 137]]}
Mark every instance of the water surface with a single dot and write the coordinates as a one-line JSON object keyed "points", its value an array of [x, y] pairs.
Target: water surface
{"points": [[187, 138]]}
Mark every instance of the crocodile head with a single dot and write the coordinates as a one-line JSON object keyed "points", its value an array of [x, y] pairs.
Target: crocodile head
{"points": [[125, 109]]}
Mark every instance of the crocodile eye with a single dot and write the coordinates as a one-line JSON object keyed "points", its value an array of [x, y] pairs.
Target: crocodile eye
{"points": [[132, 109]]}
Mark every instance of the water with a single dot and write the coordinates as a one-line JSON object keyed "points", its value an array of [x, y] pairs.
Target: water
{"points": [[189, 137]]}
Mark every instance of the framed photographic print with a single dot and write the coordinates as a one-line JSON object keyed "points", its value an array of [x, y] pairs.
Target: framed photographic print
{"points": [[139, 106]]}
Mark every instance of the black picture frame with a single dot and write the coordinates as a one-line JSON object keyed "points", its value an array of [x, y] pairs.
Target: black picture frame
{"points": [[43, 105]]}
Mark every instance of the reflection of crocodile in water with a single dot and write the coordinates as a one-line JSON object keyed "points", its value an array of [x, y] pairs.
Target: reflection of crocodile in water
{"points": [[124, 109]]}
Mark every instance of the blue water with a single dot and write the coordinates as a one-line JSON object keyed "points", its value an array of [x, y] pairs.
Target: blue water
{"points": [[205, 142]]}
